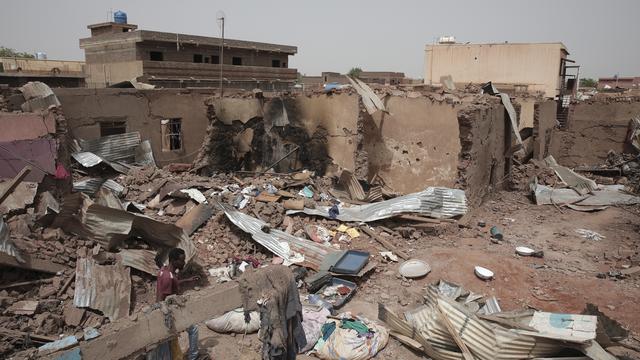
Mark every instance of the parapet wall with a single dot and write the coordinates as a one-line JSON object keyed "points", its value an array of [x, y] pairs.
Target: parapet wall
{"points": [[592, 130]]}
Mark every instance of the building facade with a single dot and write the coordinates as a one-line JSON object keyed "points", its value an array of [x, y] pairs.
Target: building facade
{"points": [[619, 82], [16, 72], [118, 52], [527, 67]]}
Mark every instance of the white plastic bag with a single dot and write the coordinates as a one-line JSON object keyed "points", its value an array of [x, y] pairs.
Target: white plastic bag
{"points": [[344, 344], [233, 321]]}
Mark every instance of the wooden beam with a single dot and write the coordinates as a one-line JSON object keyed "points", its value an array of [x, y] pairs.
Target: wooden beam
{"points": [[130, 337], [31, 264], [387, 245], [14, 182]]}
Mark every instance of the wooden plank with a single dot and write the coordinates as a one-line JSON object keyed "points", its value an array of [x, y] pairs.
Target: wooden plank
{"points": [[465, 350], [387, 245], [31, 264], [131, 337], [14, 182]]}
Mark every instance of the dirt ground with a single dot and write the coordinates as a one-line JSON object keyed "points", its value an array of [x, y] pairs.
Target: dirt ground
{"points": [[565, 280]]}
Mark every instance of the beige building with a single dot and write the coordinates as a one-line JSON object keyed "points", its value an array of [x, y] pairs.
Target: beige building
{"points": [[118, 52], [526, 67]]}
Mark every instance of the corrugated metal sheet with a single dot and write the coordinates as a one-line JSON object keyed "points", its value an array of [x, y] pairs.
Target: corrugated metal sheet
{"points": [[436, 202], [488, 341], [369, 98], [106, 288], [513, 116], [144, 154], [6, 245], [349, 181], [143, 260], [121, 147], [577, 182], [284, 245], [92, 185], [87, 159]]}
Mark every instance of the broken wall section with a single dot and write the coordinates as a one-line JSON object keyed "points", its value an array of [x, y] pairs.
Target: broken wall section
{"points": [[485, 136], [592, 130], [251, 134], [92, 113]]}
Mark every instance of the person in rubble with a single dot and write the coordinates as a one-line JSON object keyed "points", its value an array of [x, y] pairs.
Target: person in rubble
{"points": [[167, 284]]}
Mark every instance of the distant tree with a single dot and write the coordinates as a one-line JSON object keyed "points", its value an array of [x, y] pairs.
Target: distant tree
{"points": [[588, 82], [8, 52], [355, 72]]}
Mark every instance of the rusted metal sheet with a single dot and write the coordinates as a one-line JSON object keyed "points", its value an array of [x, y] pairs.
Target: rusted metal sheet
{"points": [[19, 198], [121, 147], [195, 217], [143, 260], [291, 248], [91, 186], [436, 202], [26, 126], [349, 182], [106, 288], [39, 153], [107, 198]]}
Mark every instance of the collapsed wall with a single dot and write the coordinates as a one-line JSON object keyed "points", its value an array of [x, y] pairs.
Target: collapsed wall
{"points": [[423, 139], [419, 142], [594, 128]]}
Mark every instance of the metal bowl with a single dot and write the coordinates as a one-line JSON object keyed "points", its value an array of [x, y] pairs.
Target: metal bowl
{"points": [[414, 268]]}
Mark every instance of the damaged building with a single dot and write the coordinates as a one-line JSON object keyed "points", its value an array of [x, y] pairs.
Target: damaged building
{"points": [[457, 219]]}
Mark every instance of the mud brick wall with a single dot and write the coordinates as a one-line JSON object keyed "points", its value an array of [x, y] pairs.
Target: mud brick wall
{"points": [[592, 130]]}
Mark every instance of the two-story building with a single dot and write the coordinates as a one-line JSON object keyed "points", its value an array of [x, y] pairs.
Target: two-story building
{"points": [[117, 52]]}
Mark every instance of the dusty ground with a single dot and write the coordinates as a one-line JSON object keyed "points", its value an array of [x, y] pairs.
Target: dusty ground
{"points": [[565, 280]]}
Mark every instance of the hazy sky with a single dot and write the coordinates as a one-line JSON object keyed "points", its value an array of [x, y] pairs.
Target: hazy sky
{"points": [[603, 36]]}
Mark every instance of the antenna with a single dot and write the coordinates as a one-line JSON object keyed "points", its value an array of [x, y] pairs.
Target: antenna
{"points": [[220, 18]]}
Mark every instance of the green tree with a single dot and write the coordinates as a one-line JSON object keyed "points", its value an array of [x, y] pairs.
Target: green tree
{"points": [[355, 72], [8, 52], [588, 82]]}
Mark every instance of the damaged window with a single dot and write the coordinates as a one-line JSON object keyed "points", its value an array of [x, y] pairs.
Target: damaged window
{"points": [[112, 128], [156, 56], [171, 134]]}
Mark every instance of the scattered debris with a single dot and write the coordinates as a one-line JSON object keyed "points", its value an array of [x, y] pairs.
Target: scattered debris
{"points": [[589, 235]]}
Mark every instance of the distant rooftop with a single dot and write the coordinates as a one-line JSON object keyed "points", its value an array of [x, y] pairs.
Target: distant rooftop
{"points": [[129, 33], [564, 48]]}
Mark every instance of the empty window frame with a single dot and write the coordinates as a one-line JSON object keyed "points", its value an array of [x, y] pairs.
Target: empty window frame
{"points": [[197, 58], [112, 128], [171, 134], [156, 56], [215, 59], [236, 60], [206, 59], [275, 63]]}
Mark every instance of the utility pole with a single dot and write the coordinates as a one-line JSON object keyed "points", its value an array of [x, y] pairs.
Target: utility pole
{"points": [[221, 19]]}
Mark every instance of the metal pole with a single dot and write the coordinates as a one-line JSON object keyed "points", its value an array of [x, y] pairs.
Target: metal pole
{"points": [[221, 56]]}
